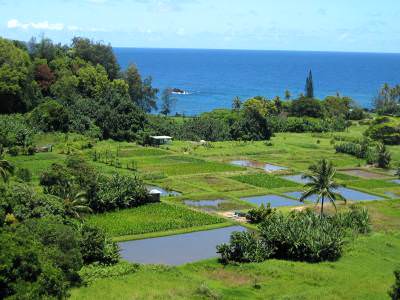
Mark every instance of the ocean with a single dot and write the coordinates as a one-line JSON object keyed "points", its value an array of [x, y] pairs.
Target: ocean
{"points": [[212, 78]]}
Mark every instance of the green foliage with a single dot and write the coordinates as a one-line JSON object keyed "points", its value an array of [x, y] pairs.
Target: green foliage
{"points": [[6, 169], [321, 182], [120, 192], [14, 131], [387, 100], [61, 243], [24, 203], [298, 236], [16, 85], [204, 128], [243, 247], [167, 102], [26, 270], [258, 215], [96, 53], [306, 124], [49, 116], [385, 130], [394, 292], [251, 126], [96, 247], [94, 272], [306, 107], [140, 91], [150, 218], [24, 174], [309, 86], [384, 156]]}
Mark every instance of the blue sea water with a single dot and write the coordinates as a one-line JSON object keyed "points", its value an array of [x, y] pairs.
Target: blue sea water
{"points": [[214, 77]]}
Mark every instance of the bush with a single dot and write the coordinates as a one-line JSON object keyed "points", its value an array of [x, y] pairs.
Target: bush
{"points": [[243, 247], [96, 247], [26, 271], [24, 174], [299, 236], [394, 292], [13, 151], [357, 220], [302, 236], [26, 204], [93, 272], [49, 116], [257, 215], [120, 192]]}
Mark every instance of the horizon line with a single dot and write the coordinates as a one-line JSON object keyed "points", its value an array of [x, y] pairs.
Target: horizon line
{"points": [[255, 50]]}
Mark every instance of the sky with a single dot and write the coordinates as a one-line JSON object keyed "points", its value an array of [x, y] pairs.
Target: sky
{"points": [[310, 25]]}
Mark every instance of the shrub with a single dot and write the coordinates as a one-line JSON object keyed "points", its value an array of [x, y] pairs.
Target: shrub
{"points": [[394, 292], [357, 219], [257, 215], [24, 174], [243, 247], [49, 116], [13, 151], [30, 150], [120, 191], [25, 203], [302, 236], [299, 236], [26, 271], [96, 247], [93, 272]]}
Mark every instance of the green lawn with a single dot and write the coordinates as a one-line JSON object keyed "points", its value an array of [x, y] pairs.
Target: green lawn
{"points": [[151, 218], [360, 274]]}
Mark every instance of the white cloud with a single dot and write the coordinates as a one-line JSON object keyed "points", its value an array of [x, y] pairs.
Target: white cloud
{"points": [[45, 25]]}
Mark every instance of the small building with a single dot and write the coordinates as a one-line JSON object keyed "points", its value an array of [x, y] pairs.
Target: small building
{"points": [[161, 139], [155, 195]]}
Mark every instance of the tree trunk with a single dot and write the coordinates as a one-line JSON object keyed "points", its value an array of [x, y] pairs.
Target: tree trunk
{"points": [[322, 206]]}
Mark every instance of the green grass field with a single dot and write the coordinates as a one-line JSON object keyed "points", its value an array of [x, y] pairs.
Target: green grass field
{"points": [[359, 274], [204, 172], [151, 218]]}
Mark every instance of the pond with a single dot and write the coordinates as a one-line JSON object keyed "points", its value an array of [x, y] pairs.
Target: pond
{"points": [[177, 249], [349, 194], [164, 192], [396, 181], [259, 165], [274, 200]]}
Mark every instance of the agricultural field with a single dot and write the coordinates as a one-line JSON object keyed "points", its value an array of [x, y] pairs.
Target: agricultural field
{"points": [[204, 172], [162, 217]]}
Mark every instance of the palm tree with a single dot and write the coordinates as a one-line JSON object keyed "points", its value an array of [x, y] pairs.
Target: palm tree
{"points": [[321, 183], [76, 204], [6, 169]]}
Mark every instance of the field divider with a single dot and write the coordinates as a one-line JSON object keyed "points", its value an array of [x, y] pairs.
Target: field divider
{"points": [[157, 234]]}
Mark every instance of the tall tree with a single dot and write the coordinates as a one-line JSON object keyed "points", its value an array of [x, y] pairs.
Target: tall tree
{"points": [[322, 183], [140, 91], [167, 101], [236, 104], [287, 95], [97, 53], [16, 82], [309, 86]]}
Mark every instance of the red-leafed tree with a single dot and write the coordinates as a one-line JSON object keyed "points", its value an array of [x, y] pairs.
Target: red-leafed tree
{"points": [[44, 77]]}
